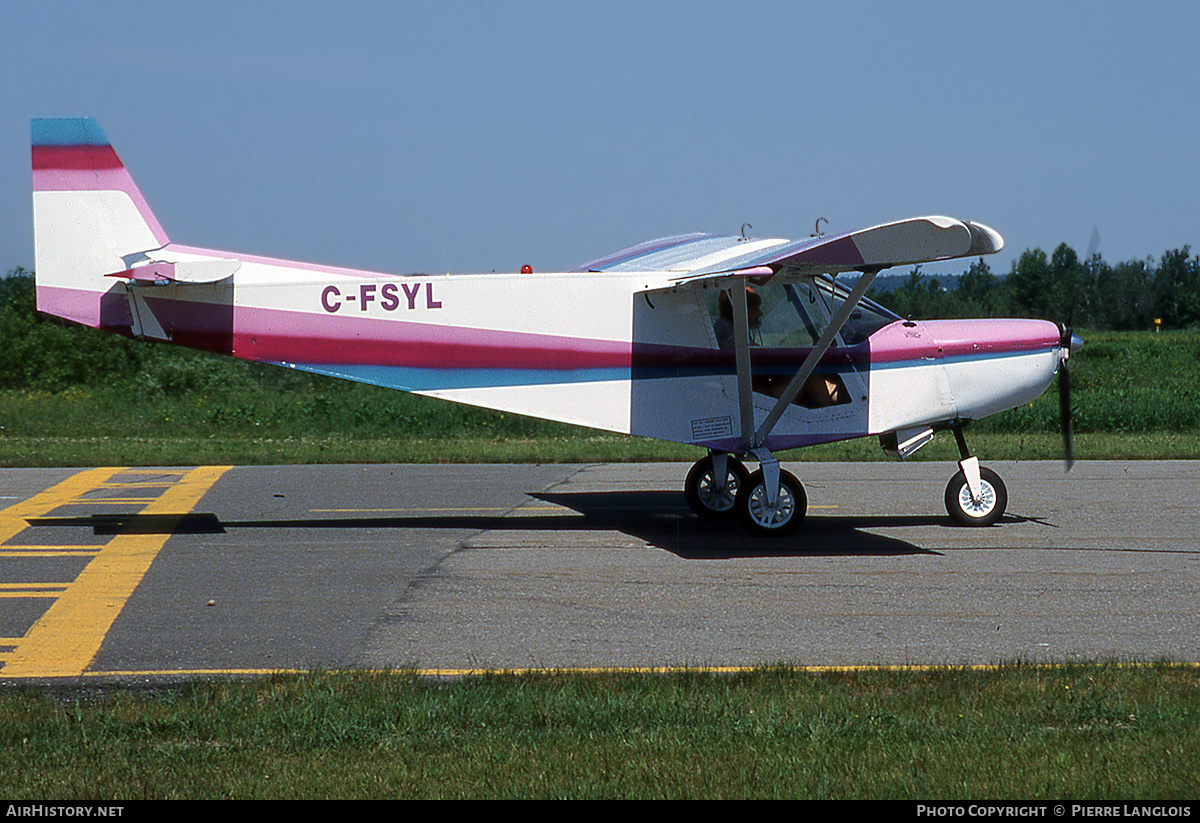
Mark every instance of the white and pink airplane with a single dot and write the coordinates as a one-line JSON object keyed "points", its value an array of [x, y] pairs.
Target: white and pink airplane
{"points": [[743, 346]]}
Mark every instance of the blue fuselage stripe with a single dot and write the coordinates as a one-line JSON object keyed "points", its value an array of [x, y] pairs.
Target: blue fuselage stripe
{"points": [[410, 378]]}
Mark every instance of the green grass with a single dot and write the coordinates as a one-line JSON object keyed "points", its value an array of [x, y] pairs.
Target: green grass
{"points": [[241, 450], [1018, 732], [1136, 395]]}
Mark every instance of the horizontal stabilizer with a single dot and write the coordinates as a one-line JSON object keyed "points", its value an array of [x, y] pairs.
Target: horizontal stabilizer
{"points": [[196, 271]]}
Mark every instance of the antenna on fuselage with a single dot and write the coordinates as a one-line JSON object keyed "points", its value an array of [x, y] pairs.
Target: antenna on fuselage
{"points": [[817, 228]]}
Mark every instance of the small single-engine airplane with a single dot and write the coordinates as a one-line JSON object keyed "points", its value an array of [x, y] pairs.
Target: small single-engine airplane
{"points": [[740, 345]]}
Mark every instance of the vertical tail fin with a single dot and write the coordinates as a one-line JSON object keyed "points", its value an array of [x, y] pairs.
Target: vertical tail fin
{"points": [[89, 219]]}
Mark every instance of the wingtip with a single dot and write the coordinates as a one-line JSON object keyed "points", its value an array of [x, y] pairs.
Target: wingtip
{"points": [[984, 240]]}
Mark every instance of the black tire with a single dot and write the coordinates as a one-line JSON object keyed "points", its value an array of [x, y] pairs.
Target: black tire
{"points": [[703, 499], [784, 519], [993, 502]]}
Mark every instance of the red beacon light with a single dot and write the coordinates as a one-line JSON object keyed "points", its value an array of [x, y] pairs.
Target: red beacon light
{"points": [[526, 269]]}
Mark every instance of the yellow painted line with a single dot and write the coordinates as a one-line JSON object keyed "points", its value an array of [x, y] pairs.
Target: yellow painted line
{"points": [[12, 519], [18, 548], [157, 472], [190, 672], [32, 589], [63, 642], [607, 670], [48, 551], [114, 501]]}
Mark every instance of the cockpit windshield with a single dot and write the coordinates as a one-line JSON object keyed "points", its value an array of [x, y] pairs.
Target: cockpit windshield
{"points": [[793, 315]]}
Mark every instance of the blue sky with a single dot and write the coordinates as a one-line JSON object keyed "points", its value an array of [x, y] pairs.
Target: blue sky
{"points": [[478, 136]]}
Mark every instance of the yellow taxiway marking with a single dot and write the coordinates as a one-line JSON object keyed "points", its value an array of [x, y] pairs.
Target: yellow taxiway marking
{"points": [[12, 519], [63, 642], [607, 670], [48, 551], [32, 589], [116, 501], [136, 484]]}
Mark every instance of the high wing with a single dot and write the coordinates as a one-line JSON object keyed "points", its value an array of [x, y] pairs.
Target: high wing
{"points": [[691, 257], [695, 258]]}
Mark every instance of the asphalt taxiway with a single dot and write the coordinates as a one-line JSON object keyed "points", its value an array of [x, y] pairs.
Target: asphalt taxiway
{"points": [[173, 571]]}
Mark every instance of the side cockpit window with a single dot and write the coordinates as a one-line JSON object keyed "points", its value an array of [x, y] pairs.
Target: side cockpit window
{"points": [[795, 314]]}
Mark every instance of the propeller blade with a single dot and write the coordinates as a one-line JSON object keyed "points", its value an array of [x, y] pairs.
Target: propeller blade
{"points": [[1068, 427], [1064, 400], [1070, 343], [1093, 244]]}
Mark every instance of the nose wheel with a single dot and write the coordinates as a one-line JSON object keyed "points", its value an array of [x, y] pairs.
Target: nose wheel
{"points": [[975, 496], [981, 508]]}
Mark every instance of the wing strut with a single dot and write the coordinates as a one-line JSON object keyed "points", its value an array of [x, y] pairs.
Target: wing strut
{"points": [[810, 362], [741, 351]]}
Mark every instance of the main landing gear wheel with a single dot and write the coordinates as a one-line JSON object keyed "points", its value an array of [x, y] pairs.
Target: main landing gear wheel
{"points": [[760, 518], [702, 495], [993, 499]]}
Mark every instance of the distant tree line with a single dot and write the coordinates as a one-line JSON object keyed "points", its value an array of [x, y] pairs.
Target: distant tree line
{"points": [[1088, 293]]}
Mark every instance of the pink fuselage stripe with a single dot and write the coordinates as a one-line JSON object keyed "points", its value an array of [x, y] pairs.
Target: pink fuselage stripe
{"points": [[296, 337], [280, 336]]}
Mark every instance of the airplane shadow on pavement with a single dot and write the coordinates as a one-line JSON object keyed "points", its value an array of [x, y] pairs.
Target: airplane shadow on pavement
{"points": [[659, 518], [663, 519]]}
